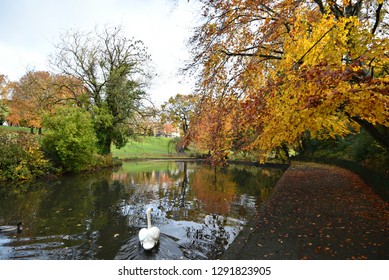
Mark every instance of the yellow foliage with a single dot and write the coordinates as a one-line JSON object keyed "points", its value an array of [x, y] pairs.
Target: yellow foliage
{"points": [[283, 69]]}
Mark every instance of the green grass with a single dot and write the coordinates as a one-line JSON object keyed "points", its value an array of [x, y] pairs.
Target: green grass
{"points": [[14, 128], [147, 147], [146, 166]]}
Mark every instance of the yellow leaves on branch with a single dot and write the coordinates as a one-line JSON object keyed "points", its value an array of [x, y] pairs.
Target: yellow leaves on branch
{"points": [[327, 40], [285, 68], [371, 102]]}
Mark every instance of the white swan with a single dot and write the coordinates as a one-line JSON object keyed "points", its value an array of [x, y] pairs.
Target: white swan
{"points": [[149, 236]]}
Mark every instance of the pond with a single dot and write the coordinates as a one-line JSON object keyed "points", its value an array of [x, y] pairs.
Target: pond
{"points": [[199, 210]]}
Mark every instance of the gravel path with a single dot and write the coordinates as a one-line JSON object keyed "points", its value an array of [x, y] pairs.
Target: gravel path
{"points": [[316, 212]]}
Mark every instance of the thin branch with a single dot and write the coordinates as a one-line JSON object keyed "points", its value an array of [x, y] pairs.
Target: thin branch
{"points": [[377, 18], [243, 54], [321, 6], [300, 61]]}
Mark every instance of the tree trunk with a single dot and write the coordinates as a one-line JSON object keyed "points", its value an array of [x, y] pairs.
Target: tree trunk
{"points": [[379, 133], [106, 146], [104, 141]]}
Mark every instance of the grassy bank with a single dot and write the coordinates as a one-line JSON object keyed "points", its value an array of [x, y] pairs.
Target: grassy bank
{"points": [[150, 147], [14, 128], [144, 148]]}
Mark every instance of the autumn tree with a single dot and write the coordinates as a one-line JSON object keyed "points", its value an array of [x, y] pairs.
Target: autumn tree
{"points": [[38, 92], [29, 98], [281, 70], [179, 109], [114, 71]]}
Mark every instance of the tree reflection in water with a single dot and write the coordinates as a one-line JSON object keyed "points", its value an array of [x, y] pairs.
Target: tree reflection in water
{"points": [[199, 209]]}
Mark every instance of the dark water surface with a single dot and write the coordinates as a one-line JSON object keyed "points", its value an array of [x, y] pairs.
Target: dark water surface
{"points": [[199, 210]]}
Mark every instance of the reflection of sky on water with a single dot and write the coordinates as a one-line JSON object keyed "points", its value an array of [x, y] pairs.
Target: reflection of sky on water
{"points": [[182, 199], [199, 210]]}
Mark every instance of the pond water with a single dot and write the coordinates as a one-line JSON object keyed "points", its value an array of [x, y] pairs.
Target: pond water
{"points": [[198, 208]]}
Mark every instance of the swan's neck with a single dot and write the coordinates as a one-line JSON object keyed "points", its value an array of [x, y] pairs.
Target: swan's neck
{"points": [[148, 220]]}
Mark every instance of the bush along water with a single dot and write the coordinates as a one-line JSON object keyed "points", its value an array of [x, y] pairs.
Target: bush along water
{"points": [[69, 145], [70, 139], [21, 156]]}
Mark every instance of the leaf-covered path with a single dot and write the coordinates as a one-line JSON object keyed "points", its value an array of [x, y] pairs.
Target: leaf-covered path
{"points": [[317, 212]]}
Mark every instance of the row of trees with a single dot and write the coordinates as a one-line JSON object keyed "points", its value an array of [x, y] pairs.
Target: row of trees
{"points": [[34, 94], [275, 73], [104, 73], [95, 96], [114, 71], [272, 74]]}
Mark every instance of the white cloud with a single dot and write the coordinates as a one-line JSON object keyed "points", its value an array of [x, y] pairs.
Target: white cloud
{"points": [[16, 61], [29, 28]]}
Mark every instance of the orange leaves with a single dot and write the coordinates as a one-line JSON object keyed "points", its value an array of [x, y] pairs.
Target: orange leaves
{"points": [[216, 129], [278, 70], [38, 92], [218, 196]]}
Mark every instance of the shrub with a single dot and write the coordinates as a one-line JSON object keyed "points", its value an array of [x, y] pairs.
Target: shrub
{"points": [[105, 161], [21, 157], [70, 138]]}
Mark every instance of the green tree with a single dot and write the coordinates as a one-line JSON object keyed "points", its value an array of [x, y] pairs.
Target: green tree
{"points": [[114, 70], [70, 138], [179, 110], [4, 110]]}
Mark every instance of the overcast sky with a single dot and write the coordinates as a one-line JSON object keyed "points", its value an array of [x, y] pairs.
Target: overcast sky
{"points": [[30, 28]]}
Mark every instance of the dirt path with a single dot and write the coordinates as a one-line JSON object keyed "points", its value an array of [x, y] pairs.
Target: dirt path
{"points": [[317, 212]]}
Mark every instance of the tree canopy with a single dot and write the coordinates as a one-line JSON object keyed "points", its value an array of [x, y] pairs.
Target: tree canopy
{"points": [[179, 110], [273, 72], [4, 110], [114, 71], [70, 138], [36, 93]]}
